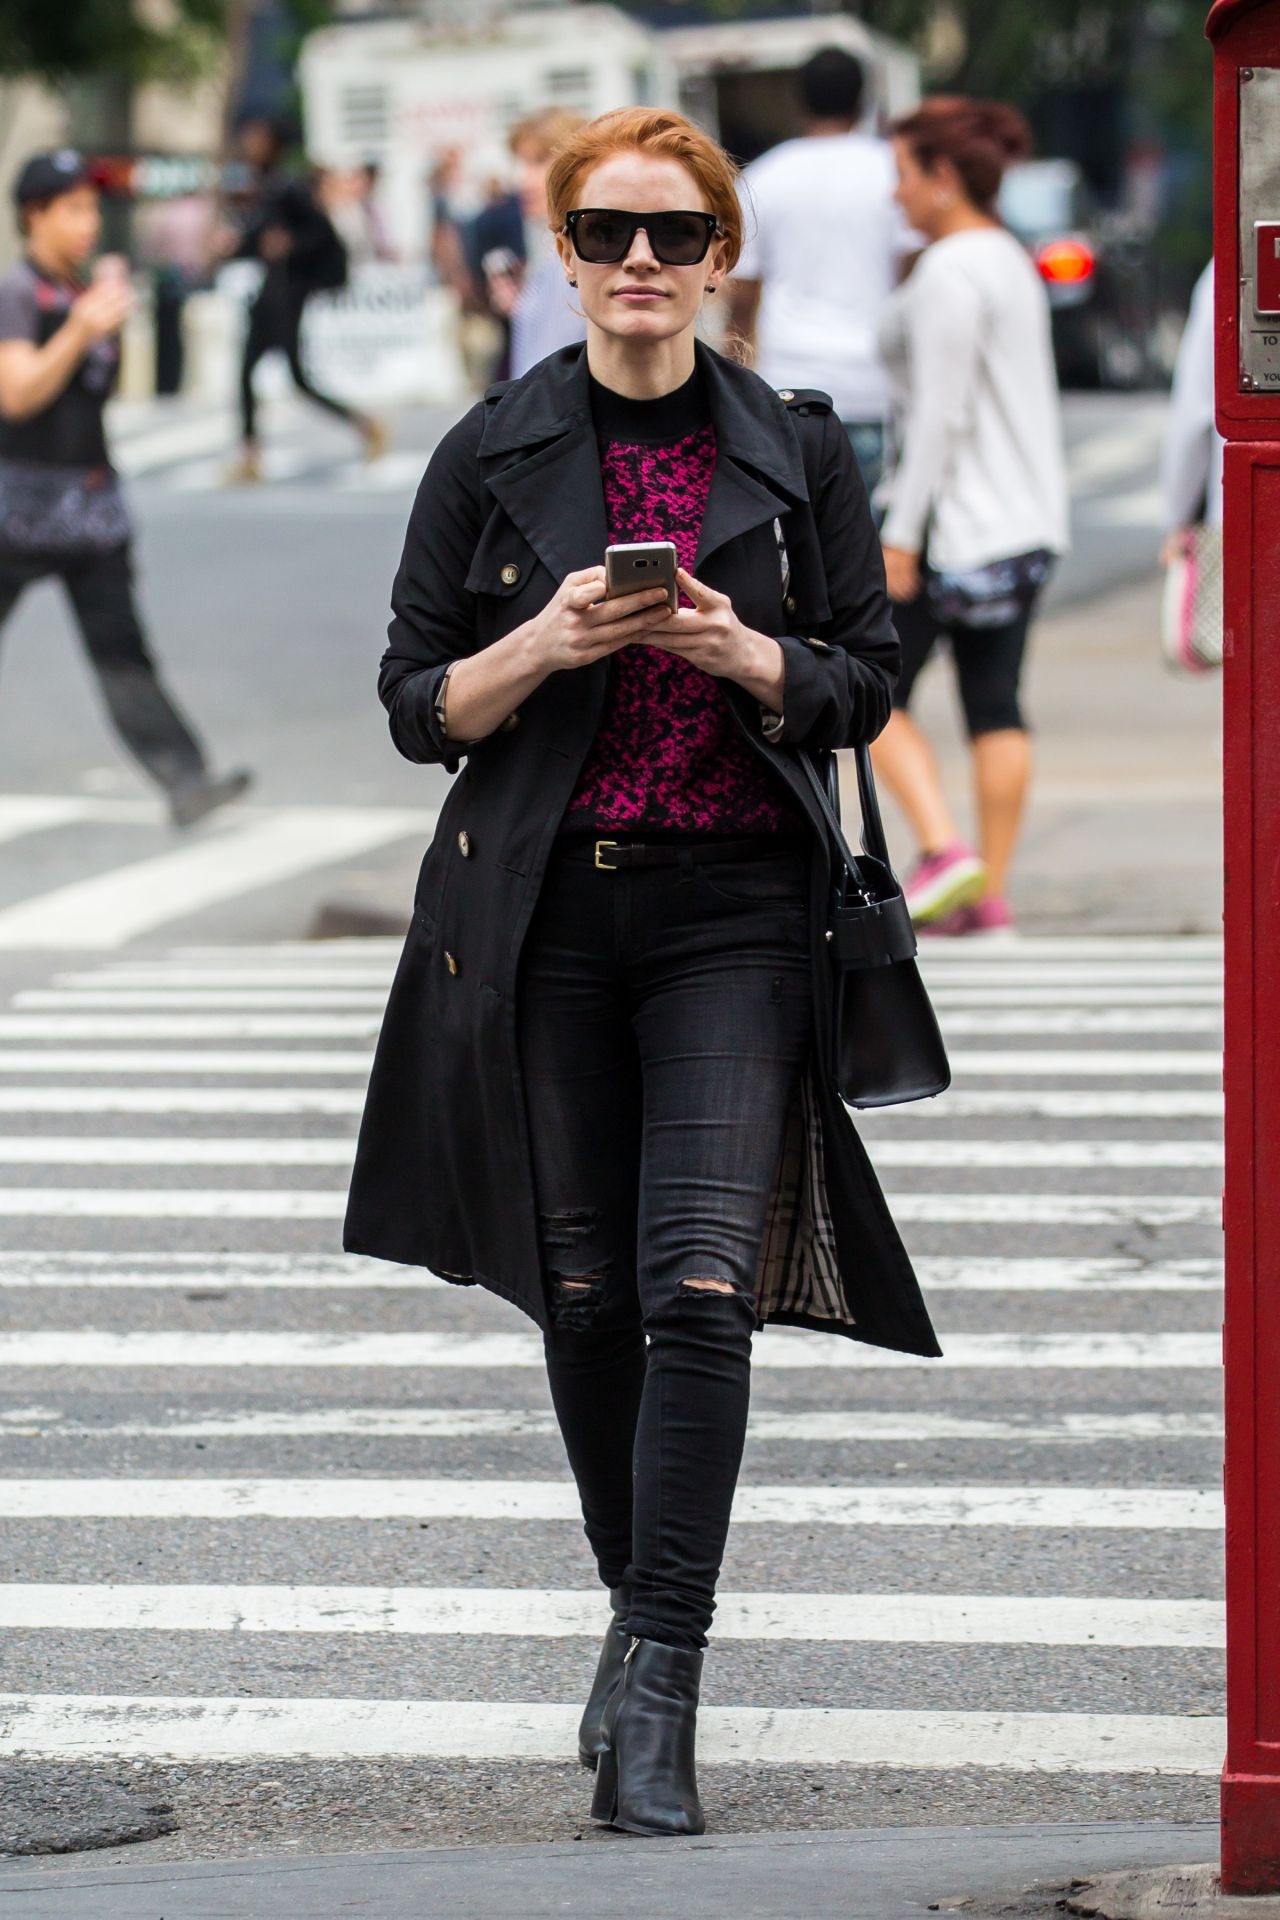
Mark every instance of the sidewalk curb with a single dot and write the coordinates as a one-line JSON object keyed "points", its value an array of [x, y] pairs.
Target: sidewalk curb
{"points": [[887, 1873], [1164, 1894]]}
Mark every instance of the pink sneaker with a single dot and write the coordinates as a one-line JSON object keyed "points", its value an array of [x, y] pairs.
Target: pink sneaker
{"points": [[989, 916], [992, 914], [939, 883]]}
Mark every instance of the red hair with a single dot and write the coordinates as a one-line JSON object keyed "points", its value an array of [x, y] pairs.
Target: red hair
{"points": [[979, 137], [666, 135]]}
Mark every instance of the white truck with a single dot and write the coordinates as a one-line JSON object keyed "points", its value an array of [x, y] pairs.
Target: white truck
{"points": [[403, 91]]}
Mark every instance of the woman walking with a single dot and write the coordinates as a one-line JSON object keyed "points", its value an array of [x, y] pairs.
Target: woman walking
{"points": [[601, 1088], [980, 483]]}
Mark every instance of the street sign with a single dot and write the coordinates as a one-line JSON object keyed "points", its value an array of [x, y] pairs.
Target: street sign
{"points": [[1266, 267]]}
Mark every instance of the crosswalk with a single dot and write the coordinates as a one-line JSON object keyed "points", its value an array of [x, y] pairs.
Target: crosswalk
{"points": [[222, 1440], [113, 902], [187, 448]]}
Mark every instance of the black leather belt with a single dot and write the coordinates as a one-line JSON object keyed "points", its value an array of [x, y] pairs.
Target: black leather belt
{"points": [[610, 856]]}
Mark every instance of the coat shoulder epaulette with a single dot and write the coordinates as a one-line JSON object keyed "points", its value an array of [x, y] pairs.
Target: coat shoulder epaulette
{"points": [[806, 400]]}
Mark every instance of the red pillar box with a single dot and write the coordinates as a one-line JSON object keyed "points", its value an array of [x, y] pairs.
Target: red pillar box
{"points": [[1246, 44]]}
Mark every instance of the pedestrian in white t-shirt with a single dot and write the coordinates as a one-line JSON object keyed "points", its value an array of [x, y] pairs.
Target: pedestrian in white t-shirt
{"points": [[823, 243], [976, 508]]}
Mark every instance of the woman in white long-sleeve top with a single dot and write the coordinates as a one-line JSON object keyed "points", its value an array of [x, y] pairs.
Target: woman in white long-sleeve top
{"points": [[1191, 467], [976, 507]]}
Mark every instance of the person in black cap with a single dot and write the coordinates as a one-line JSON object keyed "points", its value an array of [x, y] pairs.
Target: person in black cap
{"points": [[62, 509]]}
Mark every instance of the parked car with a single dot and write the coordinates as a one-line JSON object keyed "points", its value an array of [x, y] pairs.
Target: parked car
{"points": [[1098, 272]]}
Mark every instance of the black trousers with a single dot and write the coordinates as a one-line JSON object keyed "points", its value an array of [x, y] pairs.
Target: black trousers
{"points": [[987, 662], [275, 326], [664, 1018], [100, 589]]}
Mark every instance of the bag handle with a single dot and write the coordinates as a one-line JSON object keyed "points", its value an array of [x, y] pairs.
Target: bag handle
{"points": [[827, 795]]}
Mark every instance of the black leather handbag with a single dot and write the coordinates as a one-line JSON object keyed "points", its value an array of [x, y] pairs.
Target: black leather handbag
{"points": [[887, 1044]]}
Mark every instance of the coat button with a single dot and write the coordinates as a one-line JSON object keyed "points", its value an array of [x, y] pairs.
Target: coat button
{"points": [[785, 393], [790, 603], [510, 574], [464, 844], [510, 724], [451, 963]]}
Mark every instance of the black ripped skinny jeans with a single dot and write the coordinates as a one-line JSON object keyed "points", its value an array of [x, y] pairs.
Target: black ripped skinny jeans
{"points": [[664, 1020]]}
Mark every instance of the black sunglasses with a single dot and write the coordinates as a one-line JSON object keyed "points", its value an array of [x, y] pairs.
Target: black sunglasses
{"points": [[604, 236]]}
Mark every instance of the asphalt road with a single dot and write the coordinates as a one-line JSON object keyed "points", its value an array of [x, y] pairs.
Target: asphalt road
{"points": [[988, 1584], [267, 608], [1013, 1555]]}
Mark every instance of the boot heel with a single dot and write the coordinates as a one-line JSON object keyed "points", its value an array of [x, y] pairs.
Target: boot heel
{"points": [[604, 1801]]}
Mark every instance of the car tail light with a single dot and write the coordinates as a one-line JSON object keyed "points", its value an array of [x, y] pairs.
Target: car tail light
{"points": [[1065, 262]]}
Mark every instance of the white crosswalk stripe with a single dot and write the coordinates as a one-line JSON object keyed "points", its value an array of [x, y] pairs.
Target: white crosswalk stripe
{"points": [[234, 854], [927, 1619], [188, 449], [788, 1349], [191, 1367], [449, 1423], [118, 1727], [346, 1273], [790, 1504]]}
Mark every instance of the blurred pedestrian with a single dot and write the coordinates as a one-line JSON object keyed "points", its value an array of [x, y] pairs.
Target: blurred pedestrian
{"points": [[612, 1013], [821, 254], [285, 228], [350, 198], [1191, 482], [981, 478], [496, 242], [1191, 467], [532, 294], [482, 336], [62, 511]]}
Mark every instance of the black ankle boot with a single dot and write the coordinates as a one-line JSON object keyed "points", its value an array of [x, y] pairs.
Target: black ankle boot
{"points": [[608, 1671], [645, 1778]]}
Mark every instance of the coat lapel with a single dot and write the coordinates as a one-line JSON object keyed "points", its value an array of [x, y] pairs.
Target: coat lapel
{"points": [[759, 473], [736, 502], [541, 460]]}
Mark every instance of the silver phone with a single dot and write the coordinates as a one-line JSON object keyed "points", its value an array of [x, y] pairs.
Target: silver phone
{"points": [[634, 565]]}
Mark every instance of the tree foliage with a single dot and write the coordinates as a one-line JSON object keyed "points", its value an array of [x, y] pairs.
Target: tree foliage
{"points": [[61, 40], [1011, 49]]}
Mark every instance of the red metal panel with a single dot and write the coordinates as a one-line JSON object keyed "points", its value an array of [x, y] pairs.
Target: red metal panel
{"points": [[1246, 34], [1266, 241], [1225, 14], [1251, 687]]}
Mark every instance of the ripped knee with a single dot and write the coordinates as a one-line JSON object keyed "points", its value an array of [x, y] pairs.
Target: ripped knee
{"points": [[698, 1295], [576, 1281], [576, 1299]]}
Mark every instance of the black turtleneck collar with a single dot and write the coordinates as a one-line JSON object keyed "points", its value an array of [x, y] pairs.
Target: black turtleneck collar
{"points": [[672, 416]]}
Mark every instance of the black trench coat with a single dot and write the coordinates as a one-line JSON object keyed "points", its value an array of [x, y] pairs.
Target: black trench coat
{"points": [[511, 502]]}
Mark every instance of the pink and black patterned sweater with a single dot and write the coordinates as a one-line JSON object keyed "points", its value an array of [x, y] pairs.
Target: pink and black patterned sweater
{"points": [[668, 757]]}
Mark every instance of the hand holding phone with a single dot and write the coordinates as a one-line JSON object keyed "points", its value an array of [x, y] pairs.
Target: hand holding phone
{"points": [[632, 566], [107, 302]]}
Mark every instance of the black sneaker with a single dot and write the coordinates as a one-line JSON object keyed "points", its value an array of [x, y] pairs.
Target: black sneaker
{"points": [[192, 802]]}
